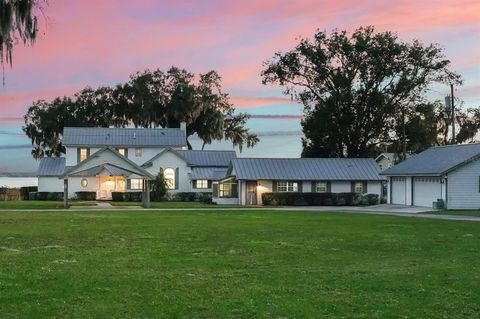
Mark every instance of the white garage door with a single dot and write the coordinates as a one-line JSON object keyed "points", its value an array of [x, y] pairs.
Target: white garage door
{"points": [[398, 190], [426, 190]]}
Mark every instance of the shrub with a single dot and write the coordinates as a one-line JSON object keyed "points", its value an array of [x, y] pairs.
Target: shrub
{"points": [[133, 196], [185, 196], [205, 197], [159, 188], [117, 196], [53, 196], [25, 191], [86, 195], [318, 199]]}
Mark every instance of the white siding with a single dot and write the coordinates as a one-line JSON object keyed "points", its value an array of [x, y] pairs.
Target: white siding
{"points": [[171, 160], [75, 186], [147, 154], [50, 184], [374, 187], [463, 187], [341, 186]]}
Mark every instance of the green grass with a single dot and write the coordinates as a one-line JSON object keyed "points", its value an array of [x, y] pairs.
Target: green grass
{"points": [[33, 204], [171, 204], [465, 212], [242, 264]]}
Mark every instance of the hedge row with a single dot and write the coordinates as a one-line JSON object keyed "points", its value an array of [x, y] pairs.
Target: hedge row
{"points": [[319, 199], [127, 196], [193, 197]]}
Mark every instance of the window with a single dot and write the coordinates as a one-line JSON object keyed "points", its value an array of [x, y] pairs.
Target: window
{"points": [[284, 187], [136, 183], [84, 182], [169, 175], [138, 152], [227, 190], [122, 151], [321, 187], [83, 154], [201, 183], [358, 187]]}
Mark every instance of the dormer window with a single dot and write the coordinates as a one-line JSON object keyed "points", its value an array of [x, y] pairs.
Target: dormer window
{"points": [[123, 151], [82, 154], [138, 152]]}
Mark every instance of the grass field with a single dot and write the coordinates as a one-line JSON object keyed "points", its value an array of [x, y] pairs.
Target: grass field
{"points": [[251, 264], [37, 204], [466, 212]]}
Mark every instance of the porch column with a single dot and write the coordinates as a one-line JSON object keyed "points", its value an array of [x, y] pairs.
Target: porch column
{"points": [[146, 199], [65, 193]]}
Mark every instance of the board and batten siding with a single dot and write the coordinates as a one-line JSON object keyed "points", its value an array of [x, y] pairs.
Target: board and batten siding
{"points": [[463, 190]]}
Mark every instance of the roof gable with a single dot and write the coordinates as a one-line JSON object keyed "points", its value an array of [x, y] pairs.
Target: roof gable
{"points": [[305, 169], [436, 160], [198, 157], [123, 137]]}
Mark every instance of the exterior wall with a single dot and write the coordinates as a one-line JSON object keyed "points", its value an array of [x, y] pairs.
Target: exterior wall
{"points": [[384, 163], [463, 189], [74, 185], [170, 160], [226, 201], [71, 155], [50, 184], [341, 186], [263, 187], [147, 154], [375, 187]]}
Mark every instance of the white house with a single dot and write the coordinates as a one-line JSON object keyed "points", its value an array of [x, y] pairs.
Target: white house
{"points": [[248, 178], [447, 173], [104, 160]]}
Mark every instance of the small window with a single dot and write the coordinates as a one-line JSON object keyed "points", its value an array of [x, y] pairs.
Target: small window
{"points": [[84, 182], [169, 175], [284, 187], [136, 183], [358, 187], [138, 152], [228, 190], [321, 187], [83, 154], [201, 183], [121, 151]]}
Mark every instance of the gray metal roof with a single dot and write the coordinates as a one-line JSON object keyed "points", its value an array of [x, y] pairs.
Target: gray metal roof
{"points": [[436, 160], [112, 170], [209, 173], [126, 137], [207, 158], [305, 169], [51, 166]]}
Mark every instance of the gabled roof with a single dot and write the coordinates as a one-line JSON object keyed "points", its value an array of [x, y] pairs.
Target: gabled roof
{"points": [[199, 158], [123, 137], [136, 169], [112, 170], [305, 169], [436, 161], [209, 173], [51, 167]]}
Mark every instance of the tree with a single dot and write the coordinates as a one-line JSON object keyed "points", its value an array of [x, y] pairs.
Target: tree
{"points": [[148, 99], [18, 21], [159, 188], [356, 87]]}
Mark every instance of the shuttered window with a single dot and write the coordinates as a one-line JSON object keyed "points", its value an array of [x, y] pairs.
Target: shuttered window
{"points": [[286, 186]]}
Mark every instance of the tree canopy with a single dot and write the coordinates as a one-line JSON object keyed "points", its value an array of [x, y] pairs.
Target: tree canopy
{"points": [[356, 88], [149, 99]]}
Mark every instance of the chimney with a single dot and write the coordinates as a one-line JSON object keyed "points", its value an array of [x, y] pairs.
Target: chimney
{"points": [[183, 126]]}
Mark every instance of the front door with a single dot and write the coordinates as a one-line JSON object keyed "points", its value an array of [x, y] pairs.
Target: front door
{"points": [[251, 193]]}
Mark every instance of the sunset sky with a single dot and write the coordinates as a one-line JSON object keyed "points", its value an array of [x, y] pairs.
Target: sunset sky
{"points": [[101, 42]]}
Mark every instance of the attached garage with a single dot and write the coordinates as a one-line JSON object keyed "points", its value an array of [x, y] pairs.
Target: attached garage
{"points": [[426, 190], [398, 190]]}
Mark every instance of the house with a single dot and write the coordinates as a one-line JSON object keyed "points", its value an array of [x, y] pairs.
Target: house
{"points": [[106, 160], [248, 178], [448, 173], [387, 160]]}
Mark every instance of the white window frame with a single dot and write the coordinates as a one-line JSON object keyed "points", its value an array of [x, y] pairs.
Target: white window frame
{"points": [[287, 187], [321, 187], [201, 183], [138, 152], [170, 176], [358, 187], [136, 184]]}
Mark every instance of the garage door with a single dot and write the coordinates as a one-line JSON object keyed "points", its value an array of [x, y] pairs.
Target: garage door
{"points": [[398, 190], [426, 190]]}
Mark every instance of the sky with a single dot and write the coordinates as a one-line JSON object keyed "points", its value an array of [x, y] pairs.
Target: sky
{"points": [[101, 42]]}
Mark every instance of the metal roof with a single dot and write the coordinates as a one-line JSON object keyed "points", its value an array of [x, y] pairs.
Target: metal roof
{"points": [[112, 170], [207, 158], [51, 166], [123, 137], [305, 169], [436, 160], [199, 158], [209, 173]]}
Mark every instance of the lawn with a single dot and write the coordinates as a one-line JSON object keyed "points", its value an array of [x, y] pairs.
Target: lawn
{"points": [[242, 264], [37, 204], [172, 204], [465, 212]]}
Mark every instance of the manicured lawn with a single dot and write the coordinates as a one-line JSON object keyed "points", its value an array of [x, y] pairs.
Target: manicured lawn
{"points": [[242, 264], [171, 204], [37, 204]]}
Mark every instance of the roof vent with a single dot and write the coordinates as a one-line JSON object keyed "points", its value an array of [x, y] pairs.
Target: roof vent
{"points": [[134, 135], [107, 137]]}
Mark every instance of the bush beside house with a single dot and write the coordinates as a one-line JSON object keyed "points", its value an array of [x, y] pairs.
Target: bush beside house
{"points": [[319, 199]]}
